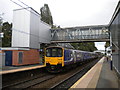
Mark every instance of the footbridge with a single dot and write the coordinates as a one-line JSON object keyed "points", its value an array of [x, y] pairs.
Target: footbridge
{"points": [[98, 33]]}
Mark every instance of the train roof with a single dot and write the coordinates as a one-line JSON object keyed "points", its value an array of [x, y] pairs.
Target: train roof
{"points": [[70, 49], [59, 47], [55, 46], [84, 51]]}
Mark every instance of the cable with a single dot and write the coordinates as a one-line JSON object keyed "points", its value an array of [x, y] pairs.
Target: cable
{"points": [[23, 3], [29, 34], [26, 32], [26, 8], [16, 3]]}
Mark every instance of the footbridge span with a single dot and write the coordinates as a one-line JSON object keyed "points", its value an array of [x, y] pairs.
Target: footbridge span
{"points": [[96, 33]]}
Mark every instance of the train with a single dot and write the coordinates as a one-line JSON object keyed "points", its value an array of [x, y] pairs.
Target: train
{"points": [[57, 57]]}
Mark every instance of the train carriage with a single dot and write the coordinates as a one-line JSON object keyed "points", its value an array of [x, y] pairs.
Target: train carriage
{"points": [[57, 57]]}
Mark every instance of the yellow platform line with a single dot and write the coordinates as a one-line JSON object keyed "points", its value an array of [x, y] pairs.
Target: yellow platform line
{"points": [[20, 69], [89, 80]]}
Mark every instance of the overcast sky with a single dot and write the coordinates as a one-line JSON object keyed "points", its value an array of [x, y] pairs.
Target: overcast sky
{"points": [[68, 13]]}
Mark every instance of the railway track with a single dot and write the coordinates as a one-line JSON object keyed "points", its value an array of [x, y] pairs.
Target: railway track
{"points": [[29, 83], [53, 81], [25, 79], [69, 81]]}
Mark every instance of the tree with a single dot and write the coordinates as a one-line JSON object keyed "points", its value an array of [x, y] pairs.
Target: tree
{"points": [[6, 29], [107, 44], [0, 25], [85, 46], [46, 14], [1, 22], [0, 31]]}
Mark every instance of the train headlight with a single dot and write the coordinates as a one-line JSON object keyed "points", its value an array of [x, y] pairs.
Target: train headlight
{"points": [[59, 62], [60, 59], [47, 62]]}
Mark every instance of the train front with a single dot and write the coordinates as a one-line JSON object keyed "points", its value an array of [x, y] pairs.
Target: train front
{"points": [[54, 59]]}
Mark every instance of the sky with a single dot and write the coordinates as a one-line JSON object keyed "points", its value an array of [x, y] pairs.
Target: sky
{"points": [[68, 13]]}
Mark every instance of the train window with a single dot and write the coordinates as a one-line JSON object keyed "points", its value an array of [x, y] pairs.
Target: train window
{"points": [[54, 52], [59, 52], [48, 52]]}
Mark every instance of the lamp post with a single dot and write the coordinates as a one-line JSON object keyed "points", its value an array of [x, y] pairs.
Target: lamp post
{"points": [[105, 50]]}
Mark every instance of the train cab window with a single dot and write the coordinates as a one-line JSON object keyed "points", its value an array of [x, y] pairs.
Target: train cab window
{"points": [[48, 52], [54, 52], [59, 52]]}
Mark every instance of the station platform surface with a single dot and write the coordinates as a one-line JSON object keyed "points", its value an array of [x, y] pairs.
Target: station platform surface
{"points": [[99, 76], [13, 69]]}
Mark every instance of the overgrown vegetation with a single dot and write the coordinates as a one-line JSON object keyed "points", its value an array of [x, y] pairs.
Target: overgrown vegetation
{"points": [[85, 46], [46, 14], [107, 44], [6, 29]]}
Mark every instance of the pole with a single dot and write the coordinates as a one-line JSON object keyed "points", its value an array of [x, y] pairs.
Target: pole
{"points": [[111, 64], [105, 50]]}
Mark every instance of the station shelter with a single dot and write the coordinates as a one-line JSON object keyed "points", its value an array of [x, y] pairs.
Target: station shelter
{"points": [[19, 56]]}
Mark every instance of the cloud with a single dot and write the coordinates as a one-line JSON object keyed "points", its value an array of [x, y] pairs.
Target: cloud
{"points": [[100, 45]]}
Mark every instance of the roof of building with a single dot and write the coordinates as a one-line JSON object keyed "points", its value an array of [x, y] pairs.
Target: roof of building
{"points": [[13, 48]]}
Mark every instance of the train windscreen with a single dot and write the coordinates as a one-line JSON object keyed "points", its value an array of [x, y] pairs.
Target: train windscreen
{"points": [[54, 52]]}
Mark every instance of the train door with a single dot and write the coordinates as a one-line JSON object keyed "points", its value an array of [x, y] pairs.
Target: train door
{"points": [[82, 56], [8, 58], [74, 54]]}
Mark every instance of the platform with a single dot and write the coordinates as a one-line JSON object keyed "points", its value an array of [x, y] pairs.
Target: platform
{"points": [[99, 76], [12, 69]]}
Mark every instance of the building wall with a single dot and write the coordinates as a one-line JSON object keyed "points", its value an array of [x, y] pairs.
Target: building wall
{"points": [[21, 28], [2, 58], [29, 57], [34, 29], [115, 40], [118, 31], [44, 33], [28, 30]]}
